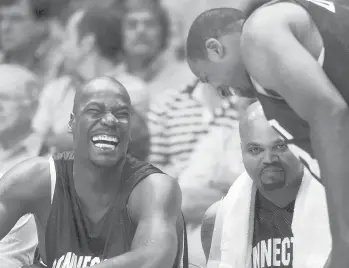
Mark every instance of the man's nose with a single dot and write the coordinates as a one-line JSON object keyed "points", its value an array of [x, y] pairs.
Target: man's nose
{"points": [[140, 27], [109, 120], [270, 157]]}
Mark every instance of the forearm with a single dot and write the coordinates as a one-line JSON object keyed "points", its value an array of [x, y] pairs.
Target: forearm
{"points": [[330, 141]]}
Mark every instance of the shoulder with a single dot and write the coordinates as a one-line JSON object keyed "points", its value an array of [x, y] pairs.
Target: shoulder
{"points": [[283, 12], [36, 166], [268, 33], [265, 22], [158, 193], [160, 187], [28, 181]]}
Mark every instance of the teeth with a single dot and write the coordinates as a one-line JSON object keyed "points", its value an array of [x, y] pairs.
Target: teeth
{"points": [[105, 146], [104, 138]]}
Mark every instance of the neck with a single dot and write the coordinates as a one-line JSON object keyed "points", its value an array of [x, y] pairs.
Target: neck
{"points": [[95, 66], [90, 178], [286, 195]]}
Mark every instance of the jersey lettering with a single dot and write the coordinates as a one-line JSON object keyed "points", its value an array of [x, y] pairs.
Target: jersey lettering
{"points": [[274, 252], [72, 260], [324, 4]]}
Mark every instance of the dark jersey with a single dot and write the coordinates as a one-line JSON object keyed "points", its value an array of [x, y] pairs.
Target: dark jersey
{"points": [[332, 21], [72, 240], [272, 244]]}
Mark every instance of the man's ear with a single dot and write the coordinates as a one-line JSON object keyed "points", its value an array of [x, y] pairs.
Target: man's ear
{"points": [[71, 124], [215, 50]]}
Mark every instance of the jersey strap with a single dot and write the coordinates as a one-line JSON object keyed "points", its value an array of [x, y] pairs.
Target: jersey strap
{"points": [[309, 162], [53, 176]]}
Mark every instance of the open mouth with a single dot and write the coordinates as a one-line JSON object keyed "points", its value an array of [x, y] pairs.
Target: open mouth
{"points": [[105, 142]]}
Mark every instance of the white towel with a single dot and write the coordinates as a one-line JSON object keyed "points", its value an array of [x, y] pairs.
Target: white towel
{"points": [[310, 226]]}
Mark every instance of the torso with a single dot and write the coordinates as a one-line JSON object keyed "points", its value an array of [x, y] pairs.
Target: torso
{"points": [[332, 21], [272, 244], [70, 235]]}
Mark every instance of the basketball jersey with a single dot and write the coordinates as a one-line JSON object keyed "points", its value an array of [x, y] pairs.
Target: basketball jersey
{"points": [[272, 244], [72, 240], [332, 21]]}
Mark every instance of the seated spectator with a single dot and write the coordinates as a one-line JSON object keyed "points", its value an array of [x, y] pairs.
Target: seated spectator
{"points": [[92, 47], [178, 119], [25, 34], [275, 214], [17, 106], [147, 34]]}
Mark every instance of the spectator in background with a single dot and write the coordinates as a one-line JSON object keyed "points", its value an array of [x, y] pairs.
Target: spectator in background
{"points": [[147, 34], [25, 34], [180, 118], [17, 106], [189, 132], [92, 47]]}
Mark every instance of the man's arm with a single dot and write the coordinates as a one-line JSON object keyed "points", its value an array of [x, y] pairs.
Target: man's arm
{"points": [[275, 57], [155, 205], [24, 189]]}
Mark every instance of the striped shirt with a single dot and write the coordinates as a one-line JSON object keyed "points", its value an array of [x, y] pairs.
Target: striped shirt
{"points": [[178, 121]]}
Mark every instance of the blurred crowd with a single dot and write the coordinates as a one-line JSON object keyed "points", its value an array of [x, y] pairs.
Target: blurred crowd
{"points": [[49, 48]]}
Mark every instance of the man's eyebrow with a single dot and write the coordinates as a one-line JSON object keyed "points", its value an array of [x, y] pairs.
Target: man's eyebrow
{"points": [[252, 144], [90, 103], [122, 108]]}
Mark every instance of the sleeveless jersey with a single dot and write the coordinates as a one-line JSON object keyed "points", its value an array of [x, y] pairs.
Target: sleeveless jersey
{"points": [[272, 244], [332, 21], [71, 238]]}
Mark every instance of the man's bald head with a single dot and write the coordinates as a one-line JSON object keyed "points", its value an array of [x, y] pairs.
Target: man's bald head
{"points": [[212, 23], [253, 116], [100, 84]]}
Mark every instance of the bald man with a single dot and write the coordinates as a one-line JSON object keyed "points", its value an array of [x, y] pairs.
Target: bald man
{"points": [[274, 185], [18, 92], [97, 206]]}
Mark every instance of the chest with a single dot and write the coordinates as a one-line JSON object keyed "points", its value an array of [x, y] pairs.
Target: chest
{"points": [[90, 237], [272, 235]]}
